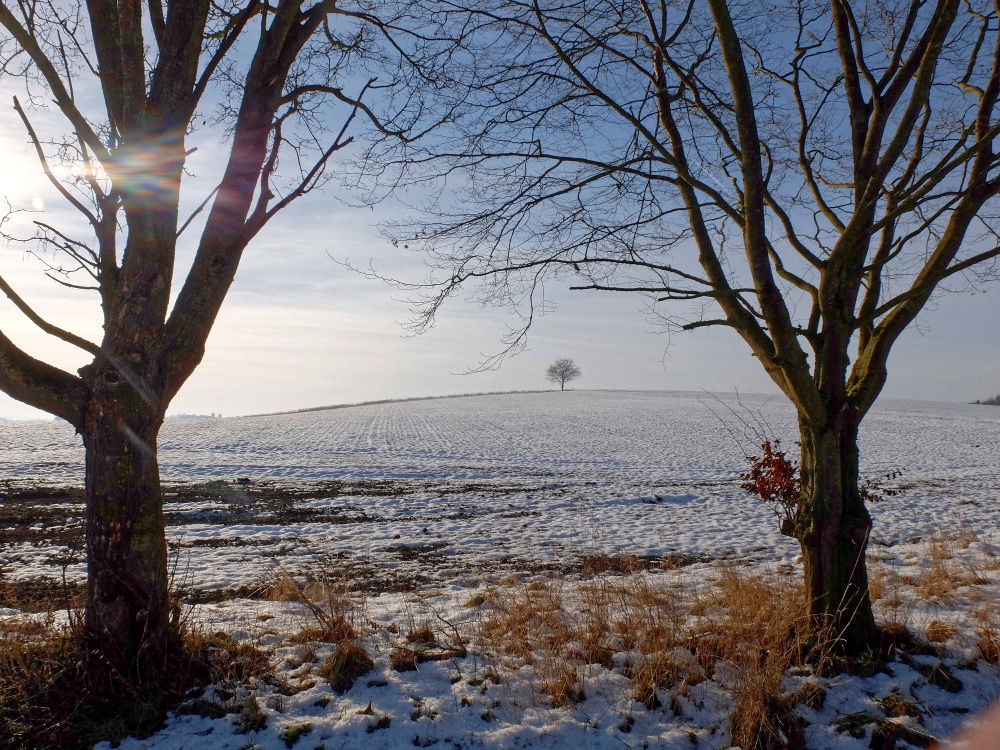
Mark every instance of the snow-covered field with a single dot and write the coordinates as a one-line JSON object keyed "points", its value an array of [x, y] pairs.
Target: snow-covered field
{"points": [[425, 503]]}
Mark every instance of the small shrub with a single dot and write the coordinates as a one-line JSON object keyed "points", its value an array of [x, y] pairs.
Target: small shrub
{"points": [[774, 479], [874, 489]]}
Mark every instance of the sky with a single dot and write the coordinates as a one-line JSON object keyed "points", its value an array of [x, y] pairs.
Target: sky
{"points": [[301, 330]]}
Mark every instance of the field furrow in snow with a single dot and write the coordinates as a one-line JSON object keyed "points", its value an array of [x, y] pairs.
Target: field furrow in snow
{"points": [[485, 483]]}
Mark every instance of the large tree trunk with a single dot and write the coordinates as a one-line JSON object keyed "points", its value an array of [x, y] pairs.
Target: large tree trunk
{"points": [[127, 613], [833, 528]]}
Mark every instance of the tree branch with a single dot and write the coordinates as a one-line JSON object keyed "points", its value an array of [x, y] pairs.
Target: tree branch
{"points": [[41, 385], [52, 330]]}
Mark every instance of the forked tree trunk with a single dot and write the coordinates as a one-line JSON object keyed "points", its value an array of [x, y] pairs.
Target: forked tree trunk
{"points": [[833, 529], [127, 614]]}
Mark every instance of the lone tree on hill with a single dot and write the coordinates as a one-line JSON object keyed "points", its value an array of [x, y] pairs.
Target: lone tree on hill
{"points": [[125, 80], [562, 371], [807, 177]]}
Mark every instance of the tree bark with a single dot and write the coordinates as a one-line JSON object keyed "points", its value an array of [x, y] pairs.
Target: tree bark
{"points": [[127, 615], [833, 527]]}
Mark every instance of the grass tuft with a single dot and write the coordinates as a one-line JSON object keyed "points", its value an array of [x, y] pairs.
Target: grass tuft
{"points": [[345, 665], [292, 733], [938, 631]]}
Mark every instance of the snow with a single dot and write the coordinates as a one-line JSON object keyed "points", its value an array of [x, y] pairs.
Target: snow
{"points": [[460, 493]]}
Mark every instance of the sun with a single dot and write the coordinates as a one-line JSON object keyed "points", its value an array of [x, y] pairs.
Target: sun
{"points": [[22, 180]]}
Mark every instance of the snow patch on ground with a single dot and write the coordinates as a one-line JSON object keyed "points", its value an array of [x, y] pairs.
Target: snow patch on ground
{"points": [[437, 499]]}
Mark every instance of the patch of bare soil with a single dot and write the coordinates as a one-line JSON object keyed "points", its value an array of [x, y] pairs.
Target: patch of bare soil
{"points": [[47, 517], [40, 515], [268, 502]]}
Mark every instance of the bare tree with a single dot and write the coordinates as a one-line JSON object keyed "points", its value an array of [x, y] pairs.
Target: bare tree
{"points": [[807, 176], [562, 371], [286, 79]]}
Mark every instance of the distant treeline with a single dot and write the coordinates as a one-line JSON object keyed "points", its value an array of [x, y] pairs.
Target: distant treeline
{"points": [[995, 401]]}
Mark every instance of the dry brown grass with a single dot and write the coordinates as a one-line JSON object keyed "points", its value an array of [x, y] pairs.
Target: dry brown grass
{"points": [[334, 617], [345, 665], [939, 631], [649, 624], [560, 631], [57, 691], [752, 625], [893, 605], [616, 564], [563, 685], [432, 638], [744, 630], [232, 662], [530, 624], [32, 654], [949, 569], [422, 635], [332, 614], [988, 634], [881, 579], [526, 621]]}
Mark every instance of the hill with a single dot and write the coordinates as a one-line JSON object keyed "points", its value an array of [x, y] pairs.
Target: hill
{"points": [[500, 556]]}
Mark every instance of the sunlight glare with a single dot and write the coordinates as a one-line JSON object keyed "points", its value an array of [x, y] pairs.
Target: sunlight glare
{"points": [[22, 183]]}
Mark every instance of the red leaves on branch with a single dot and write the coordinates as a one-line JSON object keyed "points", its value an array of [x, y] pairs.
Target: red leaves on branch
{"points": [[773, 478]]}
